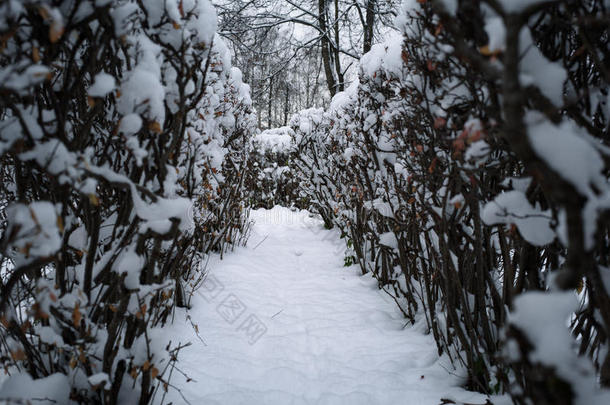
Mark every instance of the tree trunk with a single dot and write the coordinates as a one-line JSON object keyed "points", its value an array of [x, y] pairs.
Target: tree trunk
{"points": [[286, 106], [270, 103], [371, 6], [340, 81], [325, 45]]}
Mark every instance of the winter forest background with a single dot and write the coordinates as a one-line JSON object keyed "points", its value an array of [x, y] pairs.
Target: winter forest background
{"points": [[461, 148]]}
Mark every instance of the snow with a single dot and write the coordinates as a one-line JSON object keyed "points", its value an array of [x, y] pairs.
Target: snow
{"points": [[537, 70], [348, 153], [513, 207], [369, 122], [49, 336], [143, 93], [54, 388], [156, 215], [385, 56], [388, 239], [243, 88], [381, 207], [102, 85], [304, 330], [99, 378], [120, 15], [554, 309], [36, 228], [83, 11], [52, 155], [543, 317], [276, 140], [206, 23], [477, 152], [564, 151], [131, 263], [130, 124], [494, 26], [10, 9], [341, 101], [33, 75]]}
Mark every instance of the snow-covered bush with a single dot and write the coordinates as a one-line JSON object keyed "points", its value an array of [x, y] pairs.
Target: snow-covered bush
{"points": [[468, 170], [123, 146], [272, 167], [313, 160]]}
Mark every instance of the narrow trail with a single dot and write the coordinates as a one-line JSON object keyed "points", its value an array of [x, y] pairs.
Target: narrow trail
{"points": [[285, 323]]}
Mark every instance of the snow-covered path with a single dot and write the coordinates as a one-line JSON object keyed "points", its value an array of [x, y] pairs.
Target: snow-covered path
{"points": [[285, 323]]}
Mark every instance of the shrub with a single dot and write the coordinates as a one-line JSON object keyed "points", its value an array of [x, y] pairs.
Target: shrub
{"points": [[123, 149], [468, 169]]}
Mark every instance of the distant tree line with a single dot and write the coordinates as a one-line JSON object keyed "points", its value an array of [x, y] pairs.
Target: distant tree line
{"points": [[298, 54]]}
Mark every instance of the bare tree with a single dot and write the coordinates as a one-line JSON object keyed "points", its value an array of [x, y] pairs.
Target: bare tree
{"points": [[339, 31]]}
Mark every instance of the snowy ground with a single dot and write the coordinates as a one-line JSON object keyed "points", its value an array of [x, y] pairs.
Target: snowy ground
{"points": [[285, 323]]}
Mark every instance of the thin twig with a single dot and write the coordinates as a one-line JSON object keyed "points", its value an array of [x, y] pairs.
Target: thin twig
{"points": [[259, 243]]}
